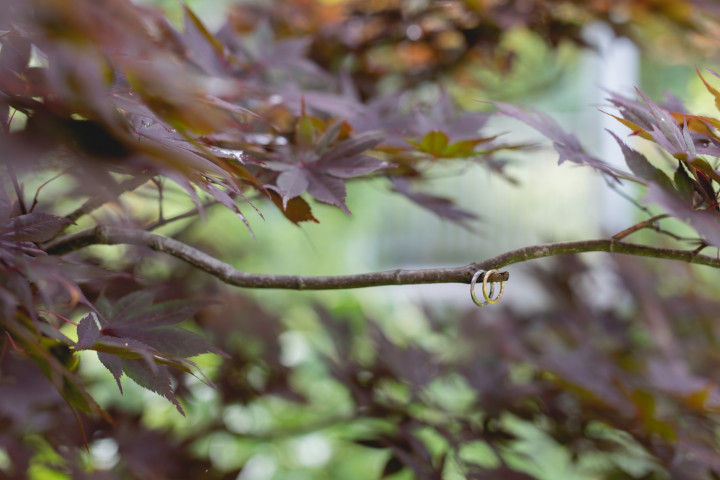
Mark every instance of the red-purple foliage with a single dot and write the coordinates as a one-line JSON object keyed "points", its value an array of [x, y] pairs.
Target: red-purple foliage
{"points": [[281, 107]]}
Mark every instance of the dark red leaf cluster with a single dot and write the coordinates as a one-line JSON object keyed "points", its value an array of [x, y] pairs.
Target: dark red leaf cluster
{"points": [[103, 99]]}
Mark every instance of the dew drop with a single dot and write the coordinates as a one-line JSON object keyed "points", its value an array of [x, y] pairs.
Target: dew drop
{"points": [[236, 155]]}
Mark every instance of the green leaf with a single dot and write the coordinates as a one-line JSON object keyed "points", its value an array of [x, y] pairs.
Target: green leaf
{"points": [[434, 143], [683, 183], [465, 148], [715, 93], [305, 132], [646, 409]]}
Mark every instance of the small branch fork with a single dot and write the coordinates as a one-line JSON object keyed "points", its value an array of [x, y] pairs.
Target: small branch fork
{"points": [[228, 274]]}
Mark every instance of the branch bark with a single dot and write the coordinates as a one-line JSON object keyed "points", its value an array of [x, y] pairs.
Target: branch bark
{"points": [[231, 276]]}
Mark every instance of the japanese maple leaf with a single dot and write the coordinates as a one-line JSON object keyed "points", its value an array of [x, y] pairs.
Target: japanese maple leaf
{"points": [[141, 339], [322, 175]]}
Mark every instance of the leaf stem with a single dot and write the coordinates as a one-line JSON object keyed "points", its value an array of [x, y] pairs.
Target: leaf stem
{"points": [[190, 213], [18, 188]]}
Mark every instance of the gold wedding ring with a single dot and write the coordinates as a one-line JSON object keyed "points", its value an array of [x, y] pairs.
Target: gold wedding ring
{"points": [[489, 300]]}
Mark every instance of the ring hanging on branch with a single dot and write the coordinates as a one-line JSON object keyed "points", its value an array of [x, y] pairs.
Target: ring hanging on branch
{"points": [[103, 235], [489, 300]]}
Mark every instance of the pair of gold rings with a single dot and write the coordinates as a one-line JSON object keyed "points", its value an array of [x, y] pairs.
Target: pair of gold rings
{"points": [[489, 300]]}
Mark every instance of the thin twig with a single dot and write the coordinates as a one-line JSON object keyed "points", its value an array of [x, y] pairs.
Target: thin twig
{"points": [[231, 276], [36, 198], [159, 186], [630, 199], [98, 201], [649, 223], [17, 187], [190, 213]]}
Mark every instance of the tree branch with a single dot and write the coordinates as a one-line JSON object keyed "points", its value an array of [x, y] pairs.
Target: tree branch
{"points": [[231, 276]]}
